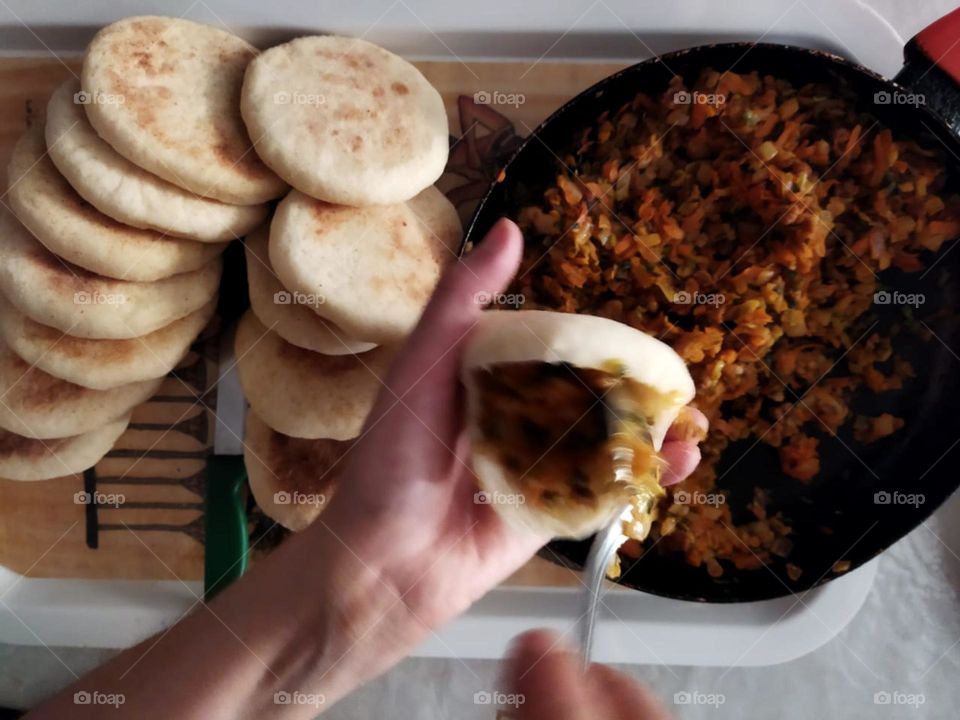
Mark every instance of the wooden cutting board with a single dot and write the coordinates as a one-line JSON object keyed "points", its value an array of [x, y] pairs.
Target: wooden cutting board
{"points": [[155, 473]]}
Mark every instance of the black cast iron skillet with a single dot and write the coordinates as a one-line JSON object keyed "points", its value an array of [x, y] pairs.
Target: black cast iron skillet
{"points": [[839, 516]]}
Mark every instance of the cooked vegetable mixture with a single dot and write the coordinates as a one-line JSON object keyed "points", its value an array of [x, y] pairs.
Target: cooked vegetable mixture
{"points": [[546, 422], [745, 227]]}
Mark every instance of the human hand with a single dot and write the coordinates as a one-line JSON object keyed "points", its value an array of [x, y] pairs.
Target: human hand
{"points": [[401, 548], [549, 679], [405, 504]]}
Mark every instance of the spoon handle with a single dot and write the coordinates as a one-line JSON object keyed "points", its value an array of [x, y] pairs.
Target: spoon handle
{"points": [[604, 547]]}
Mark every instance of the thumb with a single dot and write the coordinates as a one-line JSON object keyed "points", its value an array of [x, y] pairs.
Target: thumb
{"points": [[547, 675]]}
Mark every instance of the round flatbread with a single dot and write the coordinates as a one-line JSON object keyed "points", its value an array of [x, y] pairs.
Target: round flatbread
{"points": [[305, 394], [165, 93], [23, 458], [125, 192], [291, 479], [542, 389], [277, 307], [38, 405], [55, 293], [76, 231], [345, 121], [375, 268], [101, 364]]}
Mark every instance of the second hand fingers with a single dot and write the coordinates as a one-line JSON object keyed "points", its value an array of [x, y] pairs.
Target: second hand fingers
{"points": [[547, 676], [682, 459]]}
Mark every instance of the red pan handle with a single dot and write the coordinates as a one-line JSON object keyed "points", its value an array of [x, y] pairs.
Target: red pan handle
{"points": [[931, 69], [940, 44]]}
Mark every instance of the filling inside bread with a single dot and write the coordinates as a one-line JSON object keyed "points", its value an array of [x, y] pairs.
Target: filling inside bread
{"points": [[556, 429]]}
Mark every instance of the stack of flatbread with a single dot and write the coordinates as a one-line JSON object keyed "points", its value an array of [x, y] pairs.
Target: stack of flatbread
{"points": [[116, 213], [349, 260]]}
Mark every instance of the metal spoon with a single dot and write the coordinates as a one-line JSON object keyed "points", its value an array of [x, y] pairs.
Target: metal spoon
{"points": [[605, 543]]}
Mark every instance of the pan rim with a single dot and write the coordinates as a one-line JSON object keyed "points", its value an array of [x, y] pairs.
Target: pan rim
{"points": [[596, 90]]}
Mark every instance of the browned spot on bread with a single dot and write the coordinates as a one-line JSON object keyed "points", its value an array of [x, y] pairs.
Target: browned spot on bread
{"points": [[150, 63], [230, 153], [327, 217], [324, 212], [106, 352], [416, 287], [401, 238], [58, 273], [306, 466], [236, 56], [144, 48], [378, 91], [334, 80], [356, 143], [399, 88], [140, 101], [37, 389], [349, 112], [147, 31], [394, 138], [13, 445], [378, 283], [37, 333]]}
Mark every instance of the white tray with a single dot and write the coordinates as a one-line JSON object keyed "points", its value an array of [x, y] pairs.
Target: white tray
{"points": [[488, 30], [632, 627], [641, 628]]}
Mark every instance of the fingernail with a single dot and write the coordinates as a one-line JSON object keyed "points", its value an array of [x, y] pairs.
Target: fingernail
{"points": [[493, 242]]}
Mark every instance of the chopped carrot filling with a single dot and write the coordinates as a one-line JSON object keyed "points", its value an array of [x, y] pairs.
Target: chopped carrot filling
{"points": [[745, 225], [547, 424]]}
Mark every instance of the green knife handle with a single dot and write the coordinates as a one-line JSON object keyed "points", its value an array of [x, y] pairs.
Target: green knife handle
{"points": [[227, 540]]}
